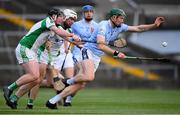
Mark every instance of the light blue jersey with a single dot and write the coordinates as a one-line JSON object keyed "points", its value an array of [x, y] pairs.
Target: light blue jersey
{"points": [[84, 30], [105, 29]]}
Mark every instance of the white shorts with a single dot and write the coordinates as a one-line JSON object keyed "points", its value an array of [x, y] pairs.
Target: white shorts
{"points": [[43, 57], [67, 60], [24, 54], [56, 61], [48, 59], [90, 55]]}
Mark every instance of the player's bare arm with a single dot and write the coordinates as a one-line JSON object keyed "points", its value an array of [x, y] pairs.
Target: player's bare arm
{"points": [[63, 33], [146, 27], [107, 49]]}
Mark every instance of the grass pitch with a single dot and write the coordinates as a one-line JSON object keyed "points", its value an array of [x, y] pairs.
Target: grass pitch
{"points": [[104, 101]]}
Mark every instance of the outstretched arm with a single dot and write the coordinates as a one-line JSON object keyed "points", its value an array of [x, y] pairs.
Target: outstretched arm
{"points": [[61, 32], [142, 28], [64, 34]]}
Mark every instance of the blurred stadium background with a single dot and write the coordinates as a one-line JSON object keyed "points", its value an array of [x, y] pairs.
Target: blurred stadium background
{"points": [[17, 16]]}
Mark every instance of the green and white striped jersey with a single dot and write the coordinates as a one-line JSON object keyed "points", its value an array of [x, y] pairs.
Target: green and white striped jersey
{"points": [[38, 34]]}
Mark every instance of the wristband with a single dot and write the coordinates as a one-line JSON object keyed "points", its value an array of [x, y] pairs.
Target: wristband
{"points": [[115, 53]]}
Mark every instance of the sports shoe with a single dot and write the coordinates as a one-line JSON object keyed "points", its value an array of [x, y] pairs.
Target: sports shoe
{"points": [[11, 104], [7, 93], [67, 104], [29, 106], [51, 106]]}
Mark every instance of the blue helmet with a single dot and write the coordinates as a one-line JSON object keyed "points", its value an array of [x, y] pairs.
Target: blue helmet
{"points": [[87, 8]]}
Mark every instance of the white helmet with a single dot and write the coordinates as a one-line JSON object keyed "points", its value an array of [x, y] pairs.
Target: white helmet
{"points": [[70, 13]]}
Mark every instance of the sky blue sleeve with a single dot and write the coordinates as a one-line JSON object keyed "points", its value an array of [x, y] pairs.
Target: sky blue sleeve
{"points": [[102, 29], [74, 28], [124, 27]]}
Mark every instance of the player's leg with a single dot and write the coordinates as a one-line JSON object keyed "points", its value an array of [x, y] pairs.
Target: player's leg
{"points": [[21, 91], [87, 67], [68, 71], [32, 70], [86, 73], [67, 91], [26, 58], [34, 91], [47, 82], [32, 74], [82, 69], [43, 60]]}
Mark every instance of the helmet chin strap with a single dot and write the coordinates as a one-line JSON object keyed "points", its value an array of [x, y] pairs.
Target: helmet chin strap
{"points": [[115, 24]]}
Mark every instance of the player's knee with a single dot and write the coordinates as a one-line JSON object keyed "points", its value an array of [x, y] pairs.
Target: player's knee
{"points": [[38, 81], [35, 76], [89, 78]]}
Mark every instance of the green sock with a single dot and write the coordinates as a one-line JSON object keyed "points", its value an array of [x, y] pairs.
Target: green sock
{"points": [[14, 98], [13, 86], [30, 102]]}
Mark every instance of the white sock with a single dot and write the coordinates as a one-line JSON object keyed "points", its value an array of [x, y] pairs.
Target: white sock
{"points": [[68, 99], [55, 99], [71, 81]]}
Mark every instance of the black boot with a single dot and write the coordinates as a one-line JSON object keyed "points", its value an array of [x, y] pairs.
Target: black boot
{"points": [[11, 104], [50, 105], [7, 93], [29, 106]]}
